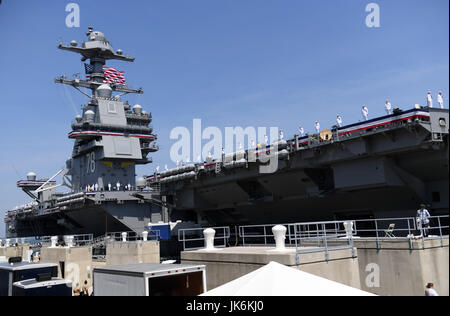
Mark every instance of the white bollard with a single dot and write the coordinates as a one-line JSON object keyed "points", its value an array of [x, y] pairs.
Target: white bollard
{"points": [[66, 240], [69, 242], [144, 236], [279, 233], [349, 229], [8, 243], [54, 240], [17, 241], [209, 235], [22, 241], [124, 237]]}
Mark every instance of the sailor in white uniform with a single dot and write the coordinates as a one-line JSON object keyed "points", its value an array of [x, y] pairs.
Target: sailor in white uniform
{"points": [[440, 100], [301, 130], [339, 121], [429, 100], [423, 220], [365, 112], [388, 107], [281, 135], [317, 127]]}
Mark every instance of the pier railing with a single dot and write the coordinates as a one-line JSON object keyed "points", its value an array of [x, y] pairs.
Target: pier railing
{"points": [[193, 239], [78, 240], [337, 235], [305, 238], [403, 229], [132, 236]]}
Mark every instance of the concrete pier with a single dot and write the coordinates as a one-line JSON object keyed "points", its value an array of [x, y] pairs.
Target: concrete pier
{"points": [[225, 265], [15, 251], [404, 268], [389, 267], [74, 264], [131, 252]]}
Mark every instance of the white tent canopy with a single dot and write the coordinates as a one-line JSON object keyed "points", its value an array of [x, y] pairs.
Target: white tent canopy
{"points": [[276, 279]]}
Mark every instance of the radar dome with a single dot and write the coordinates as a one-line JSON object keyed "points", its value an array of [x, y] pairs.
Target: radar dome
{"points": [[89, 116], [97, 36], [78, 118], [141, 183], [104, 91], [31, 176], [137, 109]]}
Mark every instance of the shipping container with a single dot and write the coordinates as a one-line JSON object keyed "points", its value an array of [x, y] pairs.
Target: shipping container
{"points": [[150, 280], [12, 273]]}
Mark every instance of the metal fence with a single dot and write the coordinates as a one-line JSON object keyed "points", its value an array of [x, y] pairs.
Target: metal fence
{"points": [[132, 236], [193, 239], [78, 240], [257, 235], [303, 237], [403, 229], [337, 235], [323, 237]]}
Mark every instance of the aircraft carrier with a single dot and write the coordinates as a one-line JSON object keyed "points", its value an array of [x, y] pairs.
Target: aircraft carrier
{"points": [[383, 167]]}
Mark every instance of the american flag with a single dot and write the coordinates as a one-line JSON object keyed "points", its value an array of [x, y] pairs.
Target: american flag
{"points": [[112, 75]]}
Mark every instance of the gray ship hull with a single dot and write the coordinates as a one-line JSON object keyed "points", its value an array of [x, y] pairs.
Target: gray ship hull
{"points": [[87, 219]]}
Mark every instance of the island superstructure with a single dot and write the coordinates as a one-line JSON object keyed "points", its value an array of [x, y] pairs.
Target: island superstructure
{"points": [[110, 138]]}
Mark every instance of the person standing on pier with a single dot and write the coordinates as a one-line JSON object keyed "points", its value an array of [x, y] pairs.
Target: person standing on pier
{"points": [[423, 219]]}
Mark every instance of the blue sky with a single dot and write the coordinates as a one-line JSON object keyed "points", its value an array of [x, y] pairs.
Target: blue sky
{"points": [[229, 62]]}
